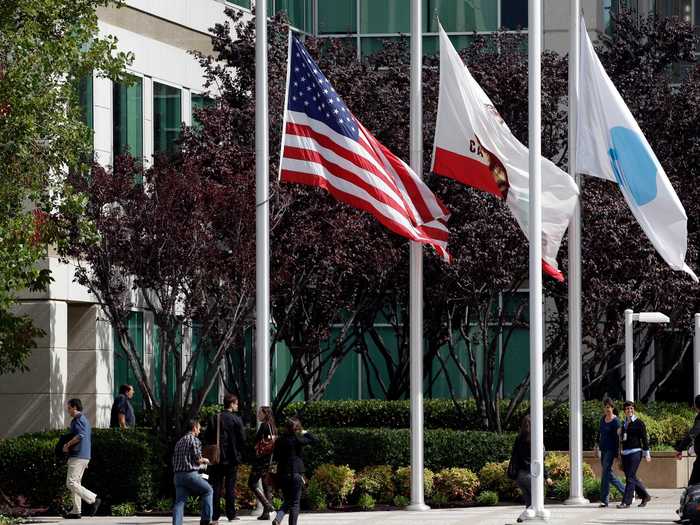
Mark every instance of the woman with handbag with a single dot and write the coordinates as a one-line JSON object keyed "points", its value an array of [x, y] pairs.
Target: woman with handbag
{"points": [[290, 467], [264, 446]]}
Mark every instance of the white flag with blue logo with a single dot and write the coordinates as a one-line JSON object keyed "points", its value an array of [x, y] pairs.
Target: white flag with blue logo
{"points": [[610, 145]]}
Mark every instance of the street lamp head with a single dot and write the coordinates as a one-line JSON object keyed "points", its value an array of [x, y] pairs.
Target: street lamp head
{"points": [[651, 317]]}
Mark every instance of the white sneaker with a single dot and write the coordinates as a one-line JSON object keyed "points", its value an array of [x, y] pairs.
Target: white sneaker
{"points": [[527, 514]]}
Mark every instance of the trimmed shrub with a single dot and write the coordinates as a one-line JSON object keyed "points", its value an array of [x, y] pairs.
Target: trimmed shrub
{"points": [[377, 482], [487, 498], [458, 484], [337, 482], [315, 496], [557, 466], [124, 509], [366, 502], [401, 501], [494, 478], [403, 482]]}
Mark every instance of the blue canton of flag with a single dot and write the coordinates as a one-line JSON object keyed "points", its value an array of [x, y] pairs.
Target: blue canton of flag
{"points": [[310, 92]]}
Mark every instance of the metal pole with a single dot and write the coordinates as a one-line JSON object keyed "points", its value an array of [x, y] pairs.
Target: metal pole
{"points": [[696, 356], [535, 273], [575, 383], [629, 355], [262, 211], [416, 271]]}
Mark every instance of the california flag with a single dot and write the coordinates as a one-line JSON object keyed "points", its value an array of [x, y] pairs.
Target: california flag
{"points": [[611, 145], [473, 145]]}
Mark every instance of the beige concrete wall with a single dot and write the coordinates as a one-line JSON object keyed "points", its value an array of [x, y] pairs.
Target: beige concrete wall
{"points": [[663, 472]]}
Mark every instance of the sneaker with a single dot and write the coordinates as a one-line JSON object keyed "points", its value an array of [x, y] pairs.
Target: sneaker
{"points": [[602, 505], [71, 516], [645, 500], [95, 506], [275, 522], [623, 506], [525, 515]]}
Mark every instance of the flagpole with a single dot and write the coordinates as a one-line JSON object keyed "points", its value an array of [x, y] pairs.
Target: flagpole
{"points": [[535, 271], [262, 211], [576, 496], [416, 271]]}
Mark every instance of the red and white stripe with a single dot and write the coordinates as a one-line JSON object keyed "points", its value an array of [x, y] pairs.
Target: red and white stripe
{"points": [[364, 174]]}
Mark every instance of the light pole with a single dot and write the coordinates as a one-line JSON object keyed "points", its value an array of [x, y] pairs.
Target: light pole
{"points": [[696, 357], [630, 318]]}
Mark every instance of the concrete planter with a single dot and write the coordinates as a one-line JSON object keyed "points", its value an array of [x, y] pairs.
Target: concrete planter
{"points": [[664, 471]]}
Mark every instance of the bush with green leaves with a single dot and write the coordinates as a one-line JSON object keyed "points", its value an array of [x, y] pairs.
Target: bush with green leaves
{"points": [[494, 478], [487, 498], [163, 505], [378, 482], [365, 502], [338, 481], [401, 501], [245, 498], [124, 509], [315, 496], [458, 484], [402, 478]]}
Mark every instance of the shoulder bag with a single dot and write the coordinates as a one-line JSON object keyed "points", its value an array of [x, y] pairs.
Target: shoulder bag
{"points": [[265, 446]]}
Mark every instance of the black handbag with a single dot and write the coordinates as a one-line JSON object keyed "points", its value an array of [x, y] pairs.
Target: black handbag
{"points": [[58, 449]]}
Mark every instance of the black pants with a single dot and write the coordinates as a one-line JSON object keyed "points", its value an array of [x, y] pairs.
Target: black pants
{"points": [[291, 491], [217, 476], [630, 464], [257, 473], [695, 474]]}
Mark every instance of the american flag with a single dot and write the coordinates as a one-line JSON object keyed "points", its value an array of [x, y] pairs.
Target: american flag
{"points": [[324, 145]]}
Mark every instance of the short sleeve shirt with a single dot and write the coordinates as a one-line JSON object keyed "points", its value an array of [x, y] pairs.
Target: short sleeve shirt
{"points": [[122, 405], [80, 426]]}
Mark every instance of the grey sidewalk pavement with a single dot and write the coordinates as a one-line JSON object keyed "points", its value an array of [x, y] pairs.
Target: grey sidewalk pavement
{"points": [[661, 510]]}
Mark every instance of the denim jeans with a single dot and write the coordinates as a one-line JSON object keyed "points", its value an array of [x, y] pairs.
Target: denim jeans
{"points": [[292, 485], [191, 484], [607, 457], [630, 464]]}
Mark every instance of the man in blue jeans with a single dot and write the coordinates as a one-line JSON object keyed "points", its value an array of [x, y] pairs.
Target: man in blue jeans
{"points": [[188, 481]]}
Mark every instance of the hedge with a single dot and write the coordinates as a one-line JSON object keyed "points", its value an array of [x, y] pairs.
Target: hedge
{"points": [[124, 468], [673, 418]]}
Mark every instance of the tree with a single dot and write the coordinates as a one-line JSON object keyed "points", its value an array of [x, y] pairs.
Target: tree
{"points": [[46, 47]]}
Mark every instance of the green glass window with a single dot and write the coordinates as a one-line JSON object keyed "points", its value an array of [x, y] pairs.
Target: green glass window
{"points": [[200, 102], [123, 373], [200, 367], [462, 15], [370, 45], [514, 14], [167, 117], [389, 16], [682, 9], [337, 16], [170, 365], [85, 100], [242, 3], [300, 13], [128, 117]]}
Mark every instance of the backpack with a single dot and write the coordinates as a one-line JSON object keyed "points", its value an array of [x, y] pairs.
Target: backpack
{"points": [[689, 510]]}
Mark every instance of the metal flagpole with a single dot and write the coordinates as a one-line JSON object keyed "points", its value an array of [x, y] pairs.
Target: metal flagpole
{"points": [[575, 383], [262, 211], [629, 355], [696, 356], [416, 271], [535, 273]]}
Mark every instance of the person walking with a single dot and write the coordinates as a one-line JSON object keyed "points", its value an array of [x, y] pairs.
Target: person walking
{"points": [[520, 458], [187, 459], [79, 450], [608, 450], [635, 444], [692, 438], [231, 442], [122, 411], [290, 467], [264, 446]]}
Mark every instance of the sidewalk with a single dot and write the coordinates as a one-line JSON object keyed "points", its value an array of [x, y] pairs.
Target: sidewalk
{"points": [[660, 510]]}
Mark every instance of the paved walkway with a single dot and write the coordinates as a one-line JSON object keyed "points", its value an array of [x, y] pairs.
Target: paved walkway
{"points": [[661, 510]]}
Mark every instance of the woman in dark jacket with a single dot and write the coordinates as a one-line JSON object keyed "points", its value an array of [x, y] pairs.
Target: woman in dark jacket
{"points": [[608, 450], [521, 458], [635, 444], [264, 444], [290, 467]]}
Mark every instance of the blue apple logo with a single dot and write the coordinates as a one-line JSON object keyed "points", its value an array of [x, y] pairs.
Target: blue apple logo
{"points": [[634, 168]]}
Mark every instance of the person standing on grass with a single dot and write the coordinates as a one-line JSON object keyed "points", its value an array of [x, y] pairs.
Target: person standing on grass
{"points": [[122, 411], [608, 450], [635, 444], [290, 467], [264, 446], [187, 459], [692, 438], [79, 449]]}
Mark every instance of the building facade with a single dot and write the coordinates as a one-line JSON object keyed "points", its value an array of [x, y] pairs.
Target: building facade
{"points": [[78, 357]]}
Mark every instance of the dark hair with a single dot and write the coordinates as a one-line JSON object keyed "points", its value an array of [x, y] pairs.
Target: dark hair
{"points": [[293, 425], [230, 400], [191, 423], [628, 403], [607, 402], [525, 428], [76, 403], [124, 389], [697, 402], [269, 418]]}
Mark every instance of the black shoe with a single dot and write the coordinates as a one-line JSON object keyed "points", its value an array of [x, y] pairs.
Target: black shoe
{"points": [[623, 506], [71, 516], [235, 518], [645, 500], [95, 506], [264, 516]]}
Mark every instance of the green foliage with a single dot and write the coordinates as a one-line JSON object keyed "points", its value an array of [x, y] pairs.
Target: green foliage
{"points": [[124, 509], [163, 505], [403, 482], [337, 482], [277, 502], [439, 499], [315, 495], [458, 484], [123, 468], [487, 498], [192, 505], [401, 501], [245, 498], [366, 502], [494, 478], [560, 489], [377, 482], [9, 520]]}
